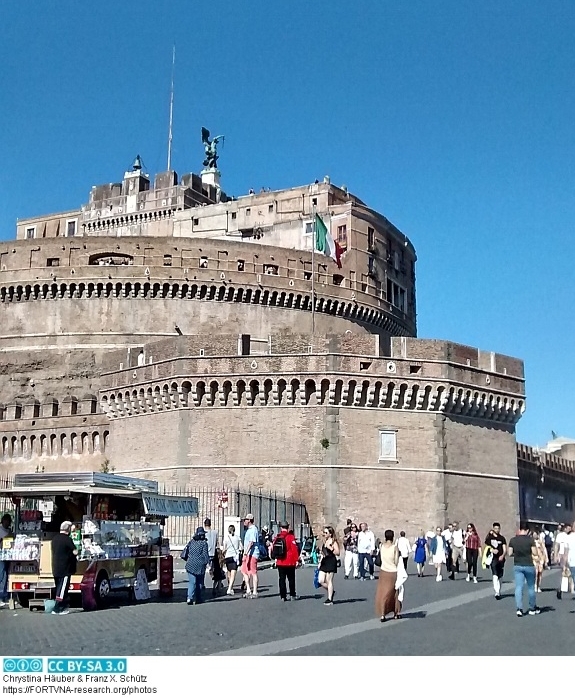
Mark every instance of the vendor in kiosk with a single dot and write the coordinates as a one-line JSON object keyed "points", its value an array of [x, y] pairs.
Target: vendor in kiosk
{"points": [[66, 508]]}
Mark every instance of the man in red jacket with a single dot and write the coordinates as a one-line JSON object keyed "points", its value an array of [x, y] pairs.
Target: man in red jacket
{"points": [[286, 554]]}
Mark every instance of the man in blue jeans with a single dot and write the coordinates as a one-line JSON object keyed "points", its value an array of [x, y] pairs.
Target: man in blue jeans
{"points": [[522, 547]]}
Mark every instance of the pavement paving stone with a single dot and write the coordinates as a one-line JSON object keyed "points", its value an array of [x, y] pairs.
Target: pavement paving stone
{"points": [[170, 627]]}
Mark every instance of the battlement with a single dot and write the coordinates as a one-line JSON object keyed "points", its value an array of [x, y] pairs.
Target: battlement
{"points": [[312, 372]]}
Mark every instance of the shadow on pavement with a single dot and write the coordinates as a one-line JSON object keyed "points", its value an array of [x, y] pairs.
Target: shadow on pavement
{"points": [[414, 615]]}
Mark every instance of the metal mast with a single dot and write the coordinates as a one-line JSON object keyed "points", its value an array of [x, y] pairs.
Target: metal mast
{"points": [[170, 135]]}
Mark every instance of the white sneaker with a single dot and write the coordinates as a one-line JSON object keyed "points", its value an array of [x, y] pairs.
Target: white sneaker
{"points": [[371, 576], [475, 580], [438, 578], [468, 578], [3, 604], [230, 592]]}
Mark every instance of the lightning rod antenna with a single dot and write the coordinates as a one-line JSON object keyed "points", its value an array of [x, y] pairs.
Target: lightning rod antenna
{"points": [[170, 135]]}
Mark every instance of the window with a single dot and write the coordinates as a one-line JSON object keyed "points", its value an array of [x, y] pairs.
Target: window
{"points": [[203, 262], [396, 295], [314, 201], [53, 262], [342, 235], [308, 228], [370, 238], [30, 233], [271, 208], [370, 266], [271, 269], [352, 279], [387, 445], [70, 228], [241, 265], [337, 279], [167, 260], [234, 215], [248, 211], [196, 221], [364, 282]]}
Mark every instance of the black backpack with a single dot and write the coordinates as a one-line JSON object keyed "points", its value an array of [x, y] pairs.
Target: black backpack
{"points": [[279, 548]]}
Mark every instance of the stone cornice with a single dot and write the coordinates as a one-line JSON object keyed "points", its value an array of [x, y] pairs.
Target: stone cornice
{"points": [[211, 291], [275, 391]]}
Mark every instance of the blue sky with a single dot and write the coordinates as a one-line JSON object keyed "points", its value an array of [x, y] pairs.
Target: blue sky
{"points": [[454, 118]]}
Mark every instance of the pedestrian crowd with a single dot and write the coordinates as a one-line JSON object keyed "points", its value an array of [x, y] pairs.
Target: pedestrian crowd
{"points": [[450, 550]]}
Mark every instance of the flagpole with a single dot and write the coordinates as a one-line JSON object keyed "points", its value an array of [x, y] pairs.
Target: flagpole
{"points": [[313, 273], [171, 109]]}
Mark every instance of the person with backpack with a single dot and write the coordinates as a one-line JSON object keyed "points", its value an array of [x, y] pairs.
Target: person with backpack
{"points": [[251, 556], [286, 555]]}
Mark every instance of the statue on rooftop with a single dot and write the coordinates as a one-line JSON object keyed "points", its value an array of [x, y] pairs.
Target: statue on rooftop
{"points": [[210, 148]]}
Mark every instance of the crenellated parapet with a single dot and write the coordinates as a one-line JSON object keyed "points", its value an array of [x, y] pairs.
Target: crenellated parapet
{"points": [[420, 377], [263, 293], [30, 408], [61, 438]]}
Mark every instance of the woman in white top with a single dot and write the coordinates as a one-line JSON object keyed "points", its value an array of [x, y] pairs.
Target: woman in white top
{"points": [[232, 549]]}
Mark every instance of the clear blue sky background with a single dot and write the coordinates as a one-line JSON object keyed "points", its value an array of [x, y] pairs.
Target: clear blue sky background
{"points": [[454, 118]]}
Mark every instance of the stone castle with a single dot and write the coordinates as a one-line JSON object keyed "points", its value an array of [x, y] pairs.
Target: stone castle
{"points": [[171, 331]]}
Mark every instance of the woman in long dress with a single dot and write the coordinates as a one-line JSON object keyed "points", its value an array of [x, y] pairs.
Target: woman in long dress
{"points": [[386, 595], [438, 547], [420, 554]]}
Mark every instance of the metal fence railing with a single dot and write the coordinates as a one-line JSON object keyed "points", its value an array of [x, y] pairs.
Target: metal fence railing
{"points": [[268, 510]]}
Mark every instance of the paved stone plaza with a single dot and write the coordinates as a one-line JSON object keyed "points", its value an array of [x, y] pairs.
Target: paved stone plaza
{"points": [[454, 618]]}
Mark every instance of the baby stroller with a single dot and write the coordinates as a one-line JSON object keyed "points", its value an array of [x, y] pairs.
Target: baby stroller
{"points": [[309, 553]]}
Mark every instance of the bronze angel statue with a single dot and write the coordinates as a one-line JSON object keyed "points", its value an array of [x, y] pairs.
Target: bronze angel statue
{"points": [[210, 148]]}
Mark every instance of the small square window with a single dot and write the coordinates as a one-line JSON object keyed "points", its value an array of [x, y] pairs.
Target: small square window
{"points": [[241, 265], [337, 279], [271, 208], [414, 369], [30, 233], [203, 262], [314, 201], [234, 215], [53, 262], [71, 229], [167, 260], [387, 445], [196, 221], [248, 211]]}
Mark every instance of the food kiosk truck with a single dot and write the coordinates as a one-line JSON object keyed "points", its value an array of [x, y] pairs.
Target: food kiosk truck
{"points": [[117, 529]]}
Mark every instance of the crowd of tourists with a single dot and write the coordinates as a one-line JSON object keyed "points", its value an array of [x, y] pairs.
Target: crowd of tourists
{"points": [[452, 550]]}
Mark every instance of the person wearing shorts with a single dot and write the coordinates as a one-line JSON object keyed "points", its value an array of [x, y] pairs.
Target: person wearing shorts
{"points": [[457, 549], [231, 548], [251, 557]]}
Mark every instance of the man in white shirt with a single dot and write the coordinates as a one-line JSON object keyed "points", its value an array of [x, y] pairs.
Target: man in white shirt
{"points": [[561, 543], [404, 548], [571, 551], [448, 535], [457, 549], [5, 531], [365, 550]]}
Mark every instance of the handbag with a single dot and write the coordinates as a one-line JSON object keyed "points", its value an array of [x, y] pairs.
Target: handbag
{"points": [[377, 560], [316, 578], [184, 554]]}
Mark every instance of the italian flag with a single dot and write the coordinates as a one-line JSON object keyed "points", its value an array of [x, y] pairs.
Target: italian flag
{"points": [[324, 242]]}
